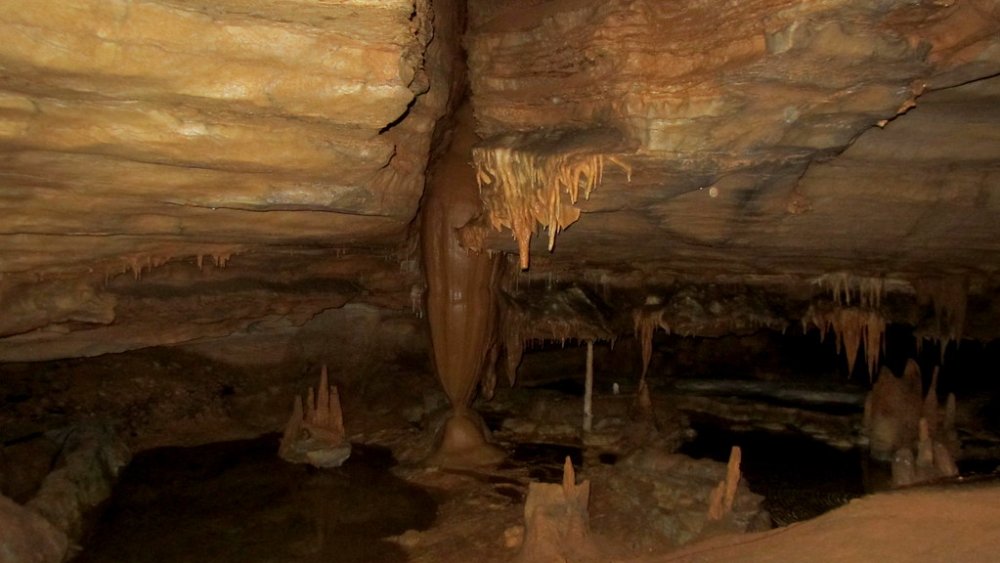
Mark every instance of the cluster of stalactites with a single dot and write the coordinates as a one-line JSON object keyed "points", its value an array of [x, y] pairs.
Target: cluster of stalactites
{"points": [[522, 189], [949, 297], [852, 327], [843, 287], [139, 264]]}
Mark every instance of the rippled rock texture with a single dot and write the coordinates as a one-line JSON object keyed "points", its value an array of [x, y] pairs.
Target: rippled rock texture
{"points": [[762, 142], [166, 140], [179, 170]]}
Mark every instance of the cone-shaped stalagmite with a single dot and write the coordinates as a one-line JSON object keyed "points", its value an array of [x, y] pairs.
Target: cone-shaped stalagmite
{"points": [[461, 303], [316, 434], [557, 521], [720, 502]]}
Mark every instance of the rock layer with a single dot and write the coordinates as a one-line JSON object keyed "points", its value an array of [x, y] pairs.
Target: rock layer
{"points": [[139, 134], [738, 114]]}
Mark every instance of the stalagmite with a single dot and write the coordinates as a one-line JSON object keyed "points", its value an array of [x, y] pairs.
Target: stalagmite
{"points": [[930, 410], [557, 521], [896, 404], [724, 495], [919, 454], [461, 302], [316, 436], [925, 446], [944, 464]]}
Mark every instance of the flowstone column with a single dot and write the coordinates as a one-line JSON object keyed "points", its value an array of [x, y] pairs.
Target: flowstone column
{"points": [[461, 303]]}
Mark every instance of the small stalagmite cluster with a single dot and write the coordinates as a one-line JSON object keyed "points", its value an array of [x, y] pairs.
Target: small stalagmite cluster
{"points": [[316, 435], [910, 428]]}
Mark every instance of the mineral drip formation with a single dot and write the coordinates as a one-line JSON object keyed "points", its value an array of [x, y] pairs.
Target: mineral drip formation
{"points": [[907, 427], [523, 186], [316, 435], [852, 327], [843, 287], [949, 298], [720, 502], [647, 319], [557, 521], [462, 306]]}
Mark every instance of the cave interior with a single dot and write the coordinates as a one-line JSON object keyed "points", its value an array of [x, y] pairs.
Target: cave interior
{"points": [[537, 280]]}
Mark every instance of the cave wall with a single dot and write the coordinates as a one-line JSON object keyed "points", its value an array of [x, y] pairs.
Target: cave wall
{"points": [[179, 171]]}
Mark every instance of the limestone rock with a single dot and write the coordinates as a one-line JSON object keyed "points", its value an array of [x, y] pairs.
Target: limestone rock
{"points": [[764, 140], [137, 135], [95, 455], [27, 537]]}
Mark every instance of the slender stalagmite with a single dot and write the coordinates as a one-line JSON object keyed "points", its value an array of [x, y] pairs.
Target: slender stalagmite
{"points": [[461, 303]]}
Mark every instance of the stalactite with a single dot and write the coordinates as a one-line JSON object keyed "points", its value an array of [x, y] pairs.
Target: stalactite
{"points": [[522, 188], [842, 286], [949, 298], [647, 320], [852, 327]]}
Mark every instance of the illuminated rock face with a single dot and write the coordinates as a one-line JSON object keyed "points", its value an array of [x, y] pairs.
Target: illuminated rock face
{"points": [[146, 145], [149, 143], [768, 142], [162, 129]]}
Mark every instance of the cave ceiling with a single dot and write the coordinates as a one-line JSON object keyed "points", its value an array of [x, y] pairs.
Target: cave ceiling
{"points": [[173, 171]]}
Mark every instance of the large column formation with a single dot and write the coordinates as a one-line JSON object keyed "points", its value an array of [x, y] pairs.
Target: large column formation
{"points": [[461, 303]]}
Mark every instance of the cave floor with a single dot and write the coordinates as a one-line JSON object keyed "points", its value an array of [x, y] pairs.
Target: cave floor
{"points": [[923, 524], [202, 484]]}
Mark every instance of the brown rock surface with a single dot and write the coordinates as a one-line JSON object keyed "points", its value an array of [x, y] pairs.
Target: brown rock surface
{"points": [[926, 525], [740, 116], [139, 134], [758, 143], [27, 537]]}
